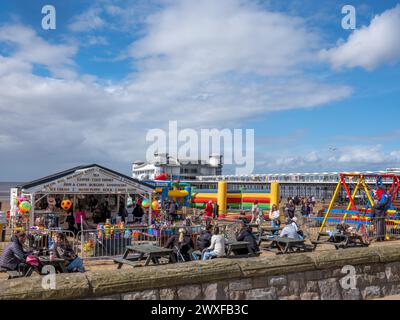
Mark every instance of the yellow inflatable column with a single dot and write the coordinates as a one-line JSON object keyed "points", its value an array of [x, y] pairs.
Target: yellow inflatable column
{"points": [[275, 194], [222, 196]]}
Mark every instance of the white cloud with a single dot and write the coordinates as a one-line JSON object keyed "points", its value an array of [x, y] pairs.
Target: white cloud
{"points": [[220, 62], [88, 20], [370, 46], [350, 157], [29, 49], [97, 40]]}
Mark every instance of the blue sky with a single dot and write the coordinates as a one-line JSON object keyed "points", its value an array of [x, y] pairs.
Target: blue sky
{"points": [[320, 98]]}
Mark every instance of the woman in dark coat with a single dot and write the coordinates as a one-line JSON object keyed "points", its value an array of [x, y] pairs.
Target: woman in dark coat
{"points": [[13, 256]]}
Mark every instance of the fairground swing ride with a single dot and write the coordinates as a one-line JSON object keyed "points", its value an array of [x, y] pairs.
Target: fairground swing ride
{"points": [[356, 186]]}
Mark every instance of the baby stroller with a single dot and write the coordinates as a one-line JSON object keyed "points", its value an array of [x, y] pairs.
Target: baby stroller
{"points": [[182, 257]]}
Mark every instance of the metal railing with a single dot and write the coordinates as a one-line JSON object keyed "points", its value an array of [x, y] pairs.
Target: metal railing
{"points": [[112, 242], [387, 228], [43, 239], [109, 243]]}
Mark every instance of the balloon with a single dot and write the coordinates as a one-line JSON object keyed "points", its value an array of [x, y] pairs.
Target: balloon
{"points": [[66, 204], [155, 205], [145, 203], [24, 207], [21, 199]]}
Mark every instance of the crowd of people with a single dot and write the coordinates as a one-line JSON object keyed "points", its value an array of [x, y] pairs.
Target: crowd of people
{"points": [[210, 243]]}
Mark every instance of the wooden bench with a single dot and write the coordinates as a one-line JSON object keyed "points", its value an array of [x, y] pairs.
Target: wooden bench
{"points": [[150, 253], [132, 263], [236, 245], [288, 245], [339, 240]]}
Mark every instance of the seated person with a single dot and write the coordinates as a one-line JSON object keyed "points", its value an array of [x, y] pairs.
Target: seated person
{"points": [[204, 239], [62, 249], [246, 235], [181, 242], [348, 230], [291, 230], [13, 257], [217, 246]]}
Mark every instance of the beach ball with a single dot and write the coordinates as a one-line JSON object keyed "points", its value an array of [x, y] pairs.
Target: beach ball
{"points": [[145, 203], [155, 205], [66, 204], [24, 207]]}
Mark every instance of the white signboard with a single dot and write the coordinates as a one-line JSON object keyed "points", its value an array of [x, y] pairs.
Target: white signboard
{"points": [[92, 181]]}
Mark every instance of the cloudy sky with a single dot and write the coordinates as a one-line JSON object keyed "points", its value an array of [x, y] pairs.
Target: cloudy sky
{"points": [[319, 97]]}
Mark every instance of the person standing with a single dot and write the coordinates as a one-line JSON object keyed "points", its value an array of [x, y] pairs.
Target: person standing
{"points": [[138, 212], [290, 209], [80, 217], [122, 212], [305, 208], [378, 214], [105, 212], [216, 209], [172, 210], [70, 220], [209, 210], [255, 210]]}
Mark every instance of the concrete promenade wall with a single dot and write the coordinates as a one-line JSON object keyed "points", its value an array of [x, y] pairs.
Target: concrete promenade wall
{"points": [[304, 276]]}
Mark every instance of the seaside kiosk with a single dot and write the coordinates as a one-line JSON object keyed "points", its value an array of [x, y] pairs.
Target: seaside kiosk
{"points": [[78, 185]]}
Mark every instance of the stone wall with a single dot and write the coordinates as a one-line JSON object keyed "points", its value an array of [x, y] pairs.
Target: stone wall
{"points": [[305, 276]]}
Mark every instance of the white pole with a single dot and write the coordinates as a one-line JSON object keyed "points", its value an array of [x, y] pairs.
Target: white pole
{"points": [[150, 209], [82, 237], [32, 215]]}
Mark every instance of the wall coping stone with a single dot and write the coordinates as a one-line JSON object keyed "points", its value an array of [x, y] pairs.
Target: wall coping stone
{"points": [[110, 282]]}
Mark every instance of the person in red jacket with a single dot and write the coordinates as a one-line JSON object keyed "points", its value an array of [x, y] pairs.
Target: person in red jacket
{"points": [[209, 209]]}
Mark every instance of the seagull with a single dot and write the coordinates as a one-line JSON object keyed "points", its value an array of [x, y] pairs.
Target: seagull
{"points": [[332, 148]]}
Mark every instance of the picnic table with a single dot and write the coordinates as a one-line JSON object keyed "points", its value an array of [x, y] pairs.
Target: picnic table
{"points": [[14, 274], [268, 234], [58, 263], [287, 245], [236, 245], [339, 240], [147, 252]]}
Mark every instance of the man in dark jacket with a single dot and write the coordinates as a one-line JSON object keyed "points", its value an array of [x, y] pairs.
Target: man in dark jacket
{"points": [[246, 235], [204, 239], [13, 256]]}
